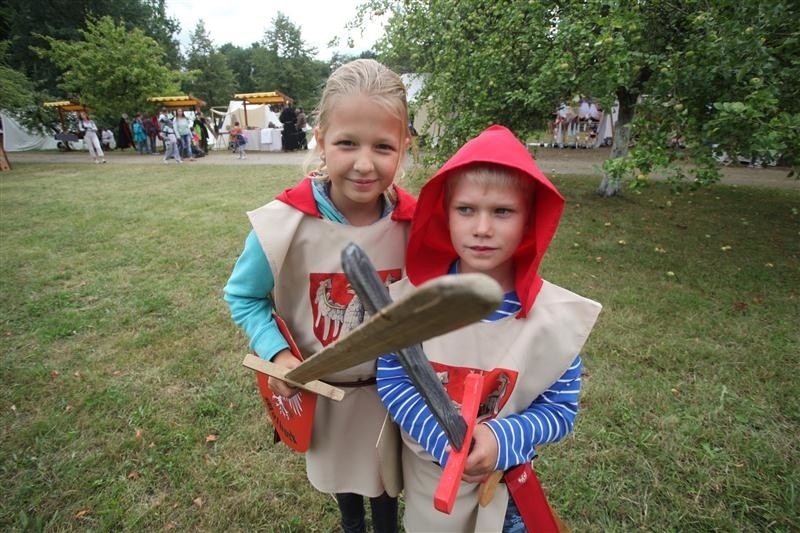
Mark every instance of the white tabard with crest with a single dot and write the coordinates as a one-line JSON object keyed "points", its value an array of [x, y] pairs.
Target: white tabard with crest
{"points": [[314, 298], [519, 359]]}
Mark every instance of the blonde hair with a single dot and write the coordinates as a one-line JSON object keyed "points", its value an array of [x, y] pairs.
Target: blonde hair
{"points": [[362, 77], [490, 175]]}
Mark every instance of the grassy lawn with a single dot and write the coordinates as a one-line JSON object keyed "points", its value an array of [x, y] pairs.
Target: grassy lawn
{"points": [[124, 405]]}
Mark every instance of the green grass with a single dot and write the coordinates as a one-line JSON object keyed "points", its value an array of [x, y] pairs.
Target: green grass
{"points": [[118, 358]]}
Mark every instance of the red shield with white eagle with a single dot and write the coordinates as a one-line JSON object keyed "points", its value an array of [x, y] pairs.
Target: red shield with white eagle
{"points": [[292, 418], [497, 386], [336, 308]]}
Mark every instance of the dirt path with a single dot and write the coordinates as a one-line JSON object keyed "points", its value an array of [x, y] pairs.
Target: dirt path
{"points": [[552, 161]]}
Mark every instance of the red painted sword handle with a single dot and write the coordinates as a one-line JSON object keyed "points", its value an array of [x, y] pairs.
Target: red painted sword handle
{"points": [[445, 496]]}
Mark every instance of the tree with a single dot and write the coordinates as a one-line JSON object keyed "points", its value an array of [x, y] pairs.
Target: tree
{"points": [[26, 24], [19, 97], [240, 60], [211, 79], [16, 90], [283, 62], [112, 70], [691, 76]]}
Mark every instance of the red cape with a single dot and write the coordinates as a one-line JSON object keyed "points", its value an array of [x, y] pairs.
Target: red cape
{"points": [[430, 252], [301, 197]]}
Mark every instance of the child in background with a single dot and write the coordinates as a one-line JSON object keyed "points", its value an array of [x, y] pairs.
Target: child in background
{"points": [[170, 139], [291, 264], [139, 135], [239, 140], [490, 210]]}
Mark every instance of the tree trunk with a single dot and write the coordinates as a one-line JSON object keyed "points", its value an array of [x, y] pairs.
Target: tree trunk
{"points": [[611, 185]]}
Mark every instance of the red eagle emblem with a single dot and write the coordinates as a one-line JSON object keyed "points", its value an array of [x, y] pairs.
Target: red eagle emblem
{"points": [[335, 306], [497, 386]]}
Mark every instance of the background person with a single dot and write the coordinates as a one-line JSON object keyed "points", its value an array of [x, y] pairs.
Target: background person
{"points": [[183, 129], [89, 129]]}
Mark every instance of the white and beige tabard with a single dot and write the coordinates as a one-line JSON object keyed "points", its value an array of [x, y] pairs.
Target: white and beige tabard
{"points": [[344, 455], [539, 348]]}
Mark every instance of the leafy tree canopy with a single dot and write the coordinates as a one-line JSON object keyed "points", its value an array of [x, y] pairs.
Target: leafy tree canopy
{"points": [[19, 97], [209, 76], [710, 75], [240, 61], [16, 90], [25, 24], [111, 69], [284, 63]]}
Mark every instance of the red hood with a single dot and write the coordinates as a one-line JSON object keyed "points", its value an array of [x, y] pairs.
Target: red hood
{"points": [[430, 252], [301, 197]]}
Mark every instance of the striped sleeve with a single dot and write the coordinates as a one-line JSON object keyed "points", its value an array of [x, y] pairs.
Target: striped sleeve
{"points": [[548, 419], [408, 409]]}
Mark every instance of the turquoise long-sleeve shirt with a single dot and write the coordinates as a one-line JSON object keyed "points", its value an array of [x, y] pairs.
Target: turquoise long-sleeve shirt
{"points": [[247, 294]]}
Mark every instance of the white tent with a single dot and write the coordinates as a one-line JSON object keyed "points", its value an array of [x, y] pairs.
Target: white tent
{"points": [[262, 127], [580, 127], [16, 138], [414, 84]]}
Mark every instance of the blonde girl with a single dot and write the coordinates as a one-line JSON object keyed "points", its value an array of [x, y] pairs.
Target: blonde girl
{"points": [[291, 266]]}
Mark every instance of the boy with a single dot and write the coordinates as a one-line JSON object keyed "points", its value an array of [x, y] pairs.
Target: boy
{"points": [[490, 210]]}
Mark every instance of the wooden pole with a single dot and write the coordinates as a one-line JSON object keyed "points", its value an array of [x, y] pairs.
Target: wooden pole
{"points": [[4, 164]]}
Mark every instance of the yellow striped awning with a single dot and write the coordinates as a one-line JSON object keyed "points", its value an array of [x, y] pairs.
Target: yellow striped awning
{"points": [[65, 105], [177, 101], [271, 97]]}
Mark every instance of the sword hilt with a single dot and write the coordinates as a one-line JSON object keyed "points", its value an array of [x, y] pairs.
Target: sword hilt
{"points": [[446, 491]]}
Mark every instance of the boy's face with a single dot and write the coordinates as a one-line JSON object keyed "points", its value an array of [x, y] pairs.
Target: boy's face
{"points": [[486, 227]]}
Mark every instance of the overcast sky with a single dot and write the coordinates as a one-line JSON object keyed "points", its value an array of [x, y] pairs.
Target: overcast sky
{"points": [[244, 22]]}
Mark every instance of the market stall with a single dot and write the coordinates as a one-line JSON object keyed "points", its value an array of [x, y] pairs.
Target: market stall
{"points": [[254, 114]]}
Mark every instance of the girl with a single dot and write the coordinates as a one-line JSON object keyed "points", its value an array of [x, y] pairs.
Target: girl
{"points": [[139, 135], [239, 140], [183, 129], [291, 262], [89, 129]]}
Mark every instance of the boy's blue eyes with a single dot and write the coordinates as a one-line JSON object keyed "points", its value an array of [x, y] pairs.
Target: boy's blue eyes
{"points": [[499, 211]]}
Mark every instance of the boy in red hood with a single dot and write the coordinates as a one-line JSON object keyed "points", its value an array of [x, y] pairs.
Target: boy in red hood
{"points": [[489, 209]]}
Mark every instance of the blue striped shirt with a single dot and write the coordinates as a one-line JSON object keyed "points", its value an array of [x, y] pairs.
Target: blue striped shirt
{"points": [[549, 418]]}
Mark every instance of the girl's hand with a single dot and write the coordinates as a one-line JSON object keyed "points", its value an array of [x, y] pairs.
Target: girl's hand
{"points": [[483, 457], [279, 387]]}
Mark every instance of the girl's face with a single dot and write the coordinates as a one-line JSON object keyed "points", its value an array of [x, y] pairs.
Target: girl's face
{"points": [[363, 147]]}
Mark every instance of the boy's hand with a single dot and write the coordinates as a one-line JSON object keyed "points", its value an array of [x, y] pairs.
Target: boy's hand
{"points": [[483, 457], [280, 387]]}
